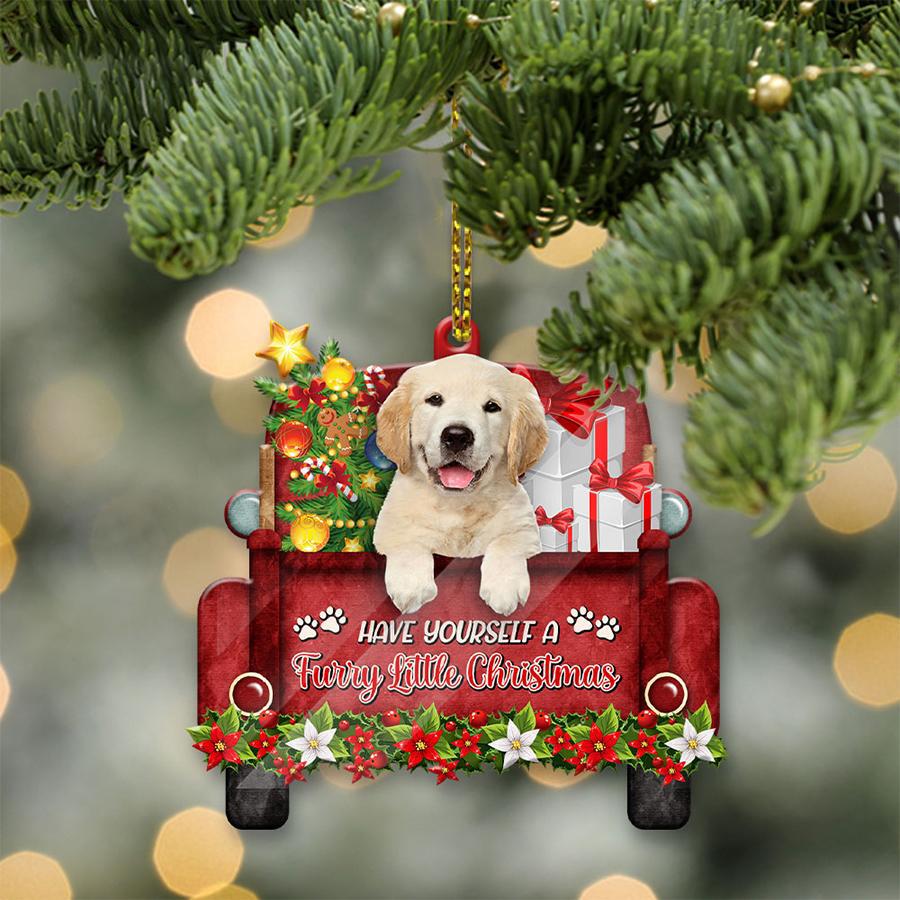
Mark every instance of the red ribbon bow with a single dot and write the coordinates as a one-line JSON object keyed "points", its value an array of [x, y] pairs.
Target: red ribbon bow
{"points": [[561, 521], [567, 405], [631, 484], [331, 482], [302, 397]]}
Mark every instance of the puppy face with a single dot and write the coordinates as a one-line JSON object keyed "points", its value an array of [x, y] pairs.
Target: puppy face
{"points": [[462, 421]]}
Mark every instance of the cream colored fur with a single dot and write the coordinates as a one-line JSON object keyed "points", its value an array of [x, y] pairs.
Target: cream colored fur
{"points": [[493, 517]]}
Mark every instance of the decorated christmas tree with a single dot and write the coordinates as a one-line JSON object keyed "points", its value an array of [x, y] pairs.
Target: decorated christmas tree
{"points": [[742, 155]]}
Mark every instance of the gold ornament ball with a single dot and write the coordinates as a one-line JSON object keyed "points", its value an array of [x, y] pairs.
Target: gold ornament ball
{"points": [[289, 507], [338, 374], [295, 474], [769, 25], [310, 533], [393, 14], [332, 452], [807, 7], [371, 522], [554, 5], [361, 523], [339, 523], [772, 93], [473, 22], [811, 73], [354, 390], [344, 395], [329, 522]]}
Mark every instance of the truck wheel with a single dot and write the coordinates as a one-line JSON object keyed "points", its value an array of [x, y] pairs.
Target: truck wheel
{"points": [[653, 805], [255, 799]]}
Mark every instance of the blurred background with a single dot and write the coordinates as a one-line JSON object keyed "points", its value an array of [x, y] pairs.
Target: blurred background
{"points": [[129, 417]]}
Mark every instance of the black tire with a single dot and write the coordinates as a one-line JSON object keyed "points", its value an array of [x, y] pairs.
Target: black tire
{"points": [[653, 805], [255, 799]]}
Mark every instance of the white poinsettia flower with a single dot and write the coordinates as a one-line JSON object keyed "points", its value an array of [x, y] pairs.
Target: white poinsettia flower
{"points": [[314, 743], [516, 745], [693, 745]]}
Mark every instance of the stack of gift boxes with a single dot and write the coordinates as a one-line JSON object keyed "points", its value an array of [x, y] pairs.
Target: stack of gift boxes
{"points": [[582, 499]]}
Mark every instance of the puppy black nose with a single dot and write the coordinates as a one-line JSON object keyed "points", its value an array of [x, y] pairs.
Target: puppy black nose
{"points": [[457, 438]]}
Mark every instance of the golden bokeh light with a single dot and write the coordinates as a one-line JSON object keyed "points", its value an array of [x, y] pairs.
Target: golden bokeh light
{"points": [[855, 495], [196, 560], [33, 876], [14, 502], [75, 421], [224, 331], [684, 385], [229, 892], [558, 779], [574, 247], [4, 691], [518, 346], [617, 887], [296, 225], [8, 560], [867, 660], [239, 406], [197, 852]]}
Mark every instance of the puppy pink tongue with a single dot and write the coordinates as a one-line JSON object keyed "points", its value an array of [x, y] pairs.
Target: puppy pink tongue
{"points": [[455, 476]]}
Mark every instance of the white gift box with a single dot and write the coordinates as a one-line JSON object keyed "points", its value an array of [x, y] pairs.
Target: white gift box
{"points": [[567, 454], [609, 521], [554, 492], [553, 541]]}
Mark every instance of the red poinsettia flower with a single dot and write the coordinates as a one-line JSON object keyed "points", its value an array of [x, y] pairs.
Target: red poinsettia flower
{"points": [[421, 745], [219, 746], [580, 761], [559, 741], [444, 770], [599, 746], [644, 743], [362, 740], [292, 771], [264, 744], [468, 742], [361, 768], [671, 771]]}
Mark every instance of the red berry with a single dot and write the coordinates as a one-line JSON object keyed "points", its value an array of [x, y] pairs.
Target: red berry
{"points": [[658, 762], [268, 718], [379, 759], [343, 724], [450, 725], [542, 721], [293, 720], [647, 718], [671, 720], [478, 718], [278, 762], [391, 717]]}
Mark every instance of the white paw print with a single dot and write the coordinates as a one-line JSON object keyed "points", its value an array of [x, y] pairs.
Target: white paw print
{"points": [[580, 619], [306, 628], [333, 620], [608, 628]]}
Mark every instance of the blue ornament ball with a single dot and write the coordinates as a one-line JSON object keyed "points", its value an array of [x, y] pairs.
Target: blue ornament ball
{"points": [[375, 456]]}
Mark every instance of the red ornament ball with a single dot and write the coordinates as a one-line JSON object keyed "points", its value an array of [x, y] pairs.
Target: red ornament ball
{"points": [[542, 721], [251, 693], [391, 717], [658, 762], [647, 718], [278, 762], [379, 759], [478, 718], [450, 725], [268, 718], [667, 694], [293, 439], [343, 724]]}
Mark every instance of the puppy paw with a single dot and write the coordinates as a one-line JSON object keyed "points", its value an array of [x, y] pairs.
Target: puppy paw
{"points": [[504, 584], [409, 588]]}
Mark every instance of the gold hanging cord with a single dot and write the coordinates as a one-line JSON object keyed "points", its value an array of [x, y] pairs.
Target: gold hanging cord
{"points": [[460, 257]]}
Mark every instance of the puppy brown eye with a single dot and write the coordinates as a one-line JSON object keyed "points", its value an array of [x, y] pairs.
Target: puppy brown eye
{"points": [[491, 406], [434, 400]]}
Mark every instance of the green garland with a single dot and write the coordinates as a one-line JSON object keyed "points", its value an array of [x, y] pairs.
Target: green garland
{"points": [[365, 744]]}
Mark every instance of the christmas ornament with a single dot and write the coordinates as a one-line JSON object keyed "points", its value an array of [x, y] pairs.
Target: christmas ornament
{"points": [[772, 93], [375, 456], [392, 14], [268, 718], [251, 692], [368, 481], [478, 718], [343, 725], [309, 533], [666, 693], [379, 759], [341, 430], [391, 717], [293, 439], [352, 545], [646, 718], [450, 725], [542, 721], [338, 373], [329, 477], [286, 348], [302, 397]]}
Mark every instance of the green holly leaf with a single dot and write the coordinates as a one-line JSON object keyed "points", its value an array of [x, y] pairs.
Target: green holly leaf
{"points": [[229, 721], [399, 732], [494, 732], [445, 749], [541, 750], [291, 732], [322, 718], [579, 732], [339, 749], [244, 750], [199, 733], [670, 732], [716, 747], [609, 720], [429, 720], [701, 718], [623, 751], [524, 718]]}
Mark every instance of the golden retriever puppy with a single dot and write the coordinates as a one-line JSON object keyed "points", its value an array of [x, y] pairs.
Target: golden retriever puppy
{"points": [[461, 431]]}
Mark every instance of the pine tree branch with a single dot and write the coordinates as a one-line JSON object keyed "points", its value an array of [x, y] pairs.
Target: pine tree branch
{"points": [[280, 120]]}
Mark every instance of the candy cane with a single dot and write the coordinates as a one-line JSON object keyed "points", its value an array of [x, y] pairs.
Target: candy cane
{"points": [[371, 374], [318, 465]]}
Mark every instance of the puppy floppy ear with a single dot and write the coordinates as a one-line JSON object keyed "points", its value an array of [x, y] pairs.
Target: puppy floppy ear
{"points": [[393, 427], [527, 431]]}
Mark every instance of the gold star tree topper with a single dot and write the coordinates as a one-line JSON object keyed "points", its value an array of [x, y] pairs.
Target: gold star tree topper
{"points": [[287, 347]]}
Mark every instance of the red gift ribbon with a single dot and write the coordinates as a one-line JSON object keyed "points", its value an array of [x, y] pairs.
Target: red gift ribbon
{"points": [[334, 480], [566, 404], [561, 521], [647, 508], [302, 397], [631, 484]]}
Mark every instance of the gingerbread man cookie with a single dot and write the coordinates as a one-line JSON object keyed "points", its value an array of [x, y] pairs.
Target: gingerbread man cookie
{"points": [[340, 430]]}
